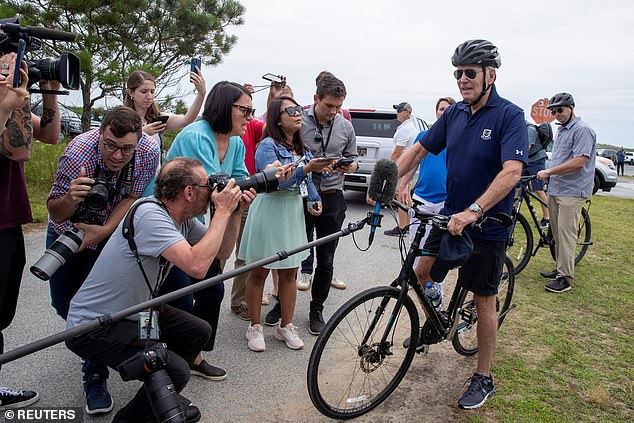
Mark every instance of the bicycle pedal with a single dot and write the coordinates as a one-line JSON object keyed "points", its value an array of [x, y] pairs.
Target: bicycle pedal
{"points": [[422, 349]]}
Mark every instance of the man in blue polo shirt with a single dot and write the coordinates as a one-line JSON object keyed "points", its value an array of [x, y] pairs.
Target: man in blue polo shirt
{"points": [[487, 145]]}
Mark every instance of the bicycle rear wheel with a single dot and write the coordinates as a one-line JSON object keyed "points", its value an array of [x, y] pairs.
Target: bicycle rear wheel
{"points": [[583, 237], [519, 246], [465, 340], [348, 377]]}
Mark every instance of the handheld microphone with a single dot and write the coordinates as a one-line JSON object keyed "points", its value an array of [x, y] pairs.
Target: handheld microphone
{"points": [[381, 189], [50, 34]]}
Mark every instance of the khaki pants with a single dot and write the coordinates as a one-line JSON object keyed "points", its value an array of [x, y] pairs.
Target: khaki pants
{"points": [[238, 289], [564, 221]]}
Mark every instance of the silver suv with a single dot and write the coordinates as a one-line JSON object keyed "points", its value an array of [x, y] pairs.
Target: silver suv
{"points": [[374, 129]]}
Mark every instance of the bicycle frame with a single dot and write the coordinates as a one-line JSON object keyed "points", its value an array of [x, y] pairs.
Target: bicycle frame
{"points": [[525, 196]]}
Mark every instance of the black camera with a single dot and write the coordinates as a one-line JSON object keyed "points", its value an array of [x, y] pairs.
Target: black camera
{"points": [[64, 69], [264, 181], [67, 243], [149, 366]]}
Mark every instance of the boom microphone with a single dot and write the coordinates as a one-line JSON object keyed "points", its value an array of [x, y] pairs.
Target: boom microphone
{"points": [[383, 181], [50, 34], [381, 189]]}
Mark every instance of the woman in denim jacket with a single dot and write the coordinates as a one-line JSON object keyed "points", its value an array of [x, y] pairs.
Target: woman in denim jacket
{"points": [[276, 220]]}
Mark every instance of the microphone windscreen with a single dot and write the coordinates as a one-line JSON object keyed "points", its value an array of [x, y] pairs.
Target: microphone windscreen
{"points": [[383, 181], [51, 34]]}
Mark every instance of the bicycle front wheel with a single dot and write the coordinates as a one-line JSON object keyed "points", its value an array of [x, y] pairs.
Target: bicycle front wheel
{"points": [[465, 339], [519, 246], [583, 237], [347, 376]]}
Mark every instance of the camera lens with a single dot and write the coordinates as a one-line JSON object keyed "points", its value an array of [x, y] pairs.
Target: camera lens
{"points": [[57, 254], [97, 198]]}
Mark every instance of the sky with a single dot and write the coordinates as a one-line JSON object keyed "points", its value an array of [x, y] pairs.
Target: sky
{"points": [[392, 51]]}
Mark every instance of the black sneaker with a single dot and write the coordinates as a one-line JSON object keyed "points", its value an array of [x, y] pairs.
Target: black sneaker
{"points": [[16, 398], [393, 232], [208, 371], [558, 285], [549, 275], [420, 347], [98, 399], [274, 316], [479, 390], [317, 323]]}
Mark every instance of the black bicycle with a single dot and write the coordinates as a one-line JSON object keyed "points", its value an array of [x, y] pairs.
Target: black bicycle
{"points": [[368, 345], [520, 243]]}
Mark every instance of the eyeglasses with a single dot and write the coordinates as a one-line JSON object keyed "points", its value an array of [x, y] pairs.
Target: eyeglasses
{"points": [[471, 73], [400, 110], [558, 110], [205, 185], [318, 136], [248, 111], [294, 111], [112, 148]]}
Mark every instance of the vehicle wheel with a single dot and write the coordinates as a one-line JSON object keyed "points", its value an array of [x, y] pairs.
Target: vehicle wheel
{"points": [[597, 184], [519, 246], [349, 371], [465, 340], [583, 237]]}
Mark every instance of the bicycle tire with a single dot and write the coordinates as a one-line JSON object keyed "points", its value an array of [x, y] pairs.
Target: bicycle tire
{"points": [[465, 340], [584, 234], [337, 353], [519, 247]]}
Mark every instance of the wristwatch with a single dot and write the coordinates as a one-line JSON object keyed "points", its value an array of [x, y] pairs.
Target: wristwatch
{"points": [[547, 171], [475, 207]]}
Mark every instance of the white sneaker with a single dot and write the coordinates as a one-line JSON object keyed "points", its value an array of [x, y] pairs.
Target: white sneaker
{"points": [[255, 336], [289, 335], [338, 283], [303, 284]]}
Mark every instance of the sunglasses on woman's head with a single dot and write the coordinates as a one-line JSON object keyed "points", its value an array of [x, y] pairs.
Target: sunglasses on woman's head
{"points": [[293, 111], [471, 73]]}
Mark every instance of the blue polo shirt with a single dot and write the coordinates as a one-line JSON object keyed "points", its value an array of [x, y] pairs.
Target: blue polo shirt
{"points": [[477, 146], [432, 176]]}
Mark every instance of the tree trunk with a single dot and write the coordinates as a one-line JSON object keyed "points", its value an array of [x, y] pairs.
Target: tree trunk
{"points": [[86, 114]]}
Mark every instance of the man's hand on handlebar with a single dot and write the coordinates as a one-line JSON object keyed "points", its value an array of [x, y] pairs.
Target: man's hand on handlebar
{"points": [[460, 220]]}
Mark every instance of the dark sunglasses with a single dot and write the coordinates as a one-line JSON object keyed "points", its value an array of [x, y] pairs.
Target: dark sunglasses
{"points": [[471, 73], [400, 110], [557, 110], [248, 111], [294, 111]]}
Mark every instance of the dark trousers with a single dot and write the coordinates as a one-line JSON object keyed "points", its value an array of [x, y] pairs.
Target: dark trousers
{"points": [[204, 304], [183, 333], [65, 283], [329, 222], [12, 261], [620, 168]]}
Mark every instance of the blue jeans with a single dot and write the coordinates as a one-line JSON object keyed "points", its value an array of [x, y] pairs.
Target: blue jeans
{"points": [[65, 283]]}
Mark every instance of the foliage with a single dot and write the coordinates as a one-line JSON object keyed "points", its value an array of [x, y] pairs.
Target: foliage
{"points": [[115, 37]]}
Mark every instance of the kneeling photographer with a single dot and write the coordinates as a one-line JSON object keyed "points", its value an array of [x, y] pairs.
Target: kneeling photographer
{"points": [[165, 233], [100, 174]]}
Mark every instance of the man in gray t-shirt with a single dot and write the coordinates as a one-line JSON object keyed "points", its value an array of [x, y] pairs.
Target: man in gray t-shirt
{"points": [[164, 233], [570, 179]]}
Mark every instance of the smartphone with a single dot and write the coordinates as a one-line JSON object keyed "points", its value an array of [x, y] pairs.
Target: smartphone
{"points": [[343, 162], [298, 161], [273, 78], [163, 119], [196, 62], [18, 63]]}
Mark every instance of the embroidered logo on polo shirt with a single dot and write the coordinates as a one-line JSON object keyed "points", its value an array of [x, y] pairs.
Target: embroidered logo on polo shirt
{"points": [[486, 135]]}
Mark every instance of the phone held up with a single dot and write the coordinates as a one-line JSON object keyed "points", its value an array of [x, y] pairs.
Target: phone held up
{"points": [[196, 62], [162, 118], [273, 78]]}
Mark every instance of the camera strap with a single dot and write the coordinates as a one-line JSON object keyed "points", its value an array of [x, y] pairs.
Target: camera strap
{"points": [[128, 234]]}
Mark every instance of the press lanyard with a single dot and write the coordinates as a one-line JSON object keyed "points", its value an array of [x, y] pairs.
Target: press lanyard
{"points": [[319, 125]]}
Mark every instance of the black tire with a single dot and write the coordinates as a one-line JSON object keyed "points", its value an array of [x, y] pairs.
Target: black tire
{"points": [[519, 246], [344, 381], [465, 341], [584, 234]]}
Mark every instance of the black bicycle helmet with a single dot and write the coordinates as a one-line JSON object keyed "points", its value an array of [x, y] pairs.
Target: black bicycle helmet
{"points": [[476, 52], [561, 99]]}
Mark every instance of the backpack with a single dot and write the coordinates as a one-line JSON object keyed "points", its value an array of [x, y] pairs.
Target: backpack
{"points": [[545, 134]]}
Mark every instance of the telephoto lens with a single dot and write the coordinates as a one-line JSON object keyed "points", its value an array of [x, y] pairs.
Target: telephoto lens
{"points": [[57, 254], [264, 181], [164, 399]]}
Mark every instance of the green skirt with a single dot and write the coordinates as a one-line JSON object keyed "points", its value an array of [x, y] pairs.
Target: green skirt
{"points": [[275, 223]]}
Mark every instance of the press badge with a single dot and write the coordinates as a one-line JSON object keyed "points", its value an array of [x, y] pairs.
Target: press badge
{"points": [[144, 321], [303, 189]]}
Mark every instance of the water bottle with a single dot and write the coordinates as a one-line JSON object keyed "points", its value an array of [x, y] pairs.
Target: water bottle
{"points": [[433, 292]]}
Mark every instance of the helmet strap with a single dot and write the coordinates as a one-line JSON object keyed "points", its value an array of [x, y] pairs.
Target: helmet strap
{"points": [[485, 87]]}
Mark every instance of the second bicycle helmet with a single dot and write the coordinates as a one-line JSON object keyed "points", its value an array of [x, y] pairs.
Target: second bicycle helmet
{"points": [[561, 99]]}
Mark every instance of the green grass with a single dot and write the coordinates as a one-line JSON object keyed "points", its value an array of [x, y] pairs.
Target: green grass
{"points": [[568, 357]]}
